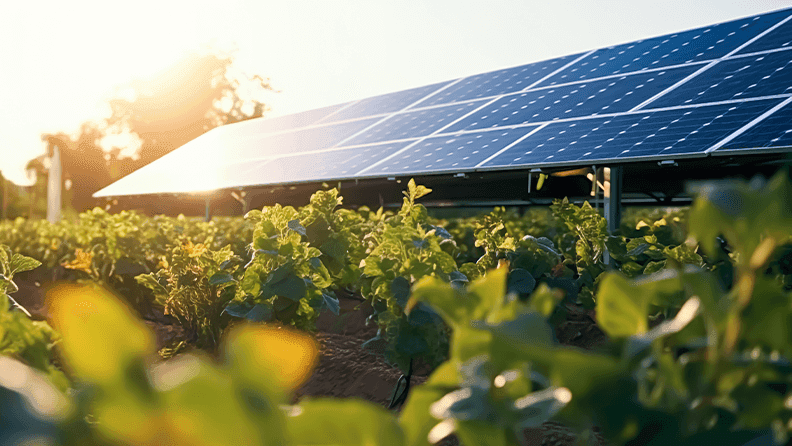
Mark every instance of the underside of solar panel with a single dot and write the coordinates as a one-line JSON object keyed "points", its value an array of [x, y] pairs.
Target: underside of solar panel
{"points": [[717, 90]]}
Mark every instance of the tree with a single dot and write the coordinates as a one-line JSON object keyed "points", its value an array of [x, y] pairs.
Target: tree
{"points": [[152, 117], [195, 95]]}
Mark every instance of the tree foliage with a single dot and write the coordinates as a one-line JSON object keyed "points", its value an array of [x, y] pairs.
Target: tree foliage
{"points": [[152, 117]]}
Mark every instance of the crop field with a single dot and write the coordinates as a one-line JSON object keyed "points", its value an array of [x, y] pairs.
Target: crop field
{"points": [[324, 325]]}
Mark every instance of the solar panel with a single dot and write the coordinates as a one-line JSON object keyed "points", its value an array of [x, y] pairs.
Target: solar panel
{"points": [[337, 164], [298, 140], [445, 153], [499, 82], [287, 122], [612, 95], [744, 77], [713, 90], [387, 103], [696, 45], [683, 131], [780, 37], [415, 124], [774, 131]]}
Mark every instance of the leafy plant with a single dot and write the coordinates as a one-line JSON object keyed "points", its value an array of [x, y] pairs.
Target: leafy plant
{"points": [[20, 337], [401, 250], [194, 285], [123, 397], [286, 280]]}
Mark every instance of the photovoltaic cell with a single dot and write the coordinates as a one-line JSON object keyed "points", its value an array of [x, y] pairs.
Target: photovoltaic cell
{"points": [[745, 77], [663, 133], [414, 124], [301, 140], [780, 37], [387, 103], [498, 82], [444, 153], [618, 94], [773, 131], [324, 166], [696, 45]]}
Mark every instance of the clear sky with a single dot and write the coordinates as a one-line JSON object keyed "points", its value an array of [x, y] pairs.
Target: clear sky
{"points": [[61, 60]]}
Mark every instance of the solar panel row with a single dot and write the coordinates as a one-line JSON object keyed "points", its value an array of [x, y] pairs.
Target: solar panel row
{"points": [[681, 95]]}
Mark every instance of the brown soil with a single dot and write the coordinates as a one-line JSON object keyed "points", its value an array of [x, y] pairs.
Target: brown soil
{"points": [[345, 369]]}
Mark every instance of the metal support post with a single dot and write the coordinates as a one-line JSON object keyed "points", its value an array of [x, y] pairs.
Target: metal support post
{"points": [[613, 205], [613, 209], [208, 213]]}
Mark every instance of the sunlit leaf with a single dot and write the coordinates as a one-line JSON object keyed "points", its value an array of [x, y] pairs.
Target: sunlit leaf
{"points": [[286, 355], [350, 422], [101, 337]]}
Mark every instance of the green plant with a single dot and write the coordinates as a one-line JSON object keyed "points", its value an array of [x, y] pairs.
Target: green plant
{"points": [[20, 337], [286, 280], [194, 285], [717, 372], [123, 397], [401, 250]]}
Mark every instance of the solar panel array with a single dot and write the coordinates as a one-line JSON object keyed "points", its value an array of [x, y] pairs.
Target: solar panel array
{"points": [[724, 88]]}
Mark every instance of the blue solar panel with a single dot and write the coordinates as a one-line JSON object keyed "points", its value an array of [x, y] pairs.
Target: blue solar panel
{"points": [[414, 124], [447, 153], [618, 94], [328, 165], [696, 45], [780, 37], [745, 77], [301, 140], [664, 133], [384, 104], [696, 89], [498, 82], [774, 131]]}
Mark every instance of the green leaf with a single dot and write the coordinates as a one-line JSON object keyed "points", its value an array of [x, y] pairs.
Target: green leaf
{"points": [[521, 281], [291, 287], [621, 310], [400, 288], [537, 407], [527, 327], [414, 419], [417, 192], [331, 302], [101, 337], [251, 282], [295, 226], [682, 254], [638, 250], [238, 309], [653, 267], [468, 403], [19, 263], [334, 249], [479, 433], [351, 422], [221, 278]]}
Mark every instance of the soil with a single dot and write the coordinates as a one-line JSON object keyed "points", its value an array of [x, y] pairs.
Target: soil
{"points": [[346, 370]]}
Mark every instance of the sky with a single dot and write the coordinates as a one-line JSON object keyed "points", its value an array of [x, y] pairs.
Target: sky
{"points": [[62, 61]]}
